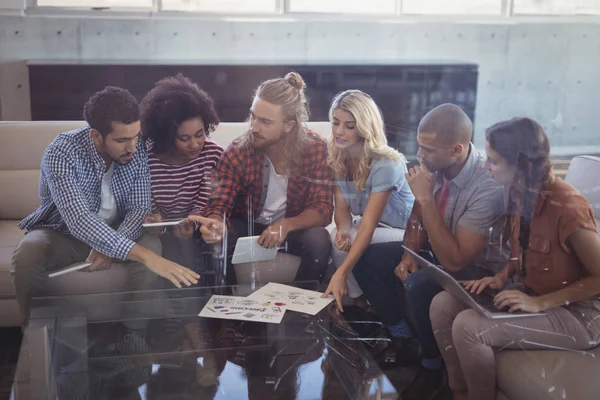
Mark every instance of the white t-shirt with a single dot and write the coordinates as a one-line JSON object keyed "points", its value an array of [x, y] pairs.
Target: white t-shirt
{"points": [[108, 207], [275, 203]]}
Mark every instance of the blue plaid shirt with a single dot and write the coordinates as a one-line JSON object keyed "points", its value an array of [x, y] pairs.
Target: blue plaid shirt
{"points": [[71, 194]]}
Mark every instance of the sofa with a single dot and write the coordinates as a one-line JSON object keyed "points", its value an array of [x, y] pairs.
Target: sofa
{"points": [[22, 145], [522, 375]]}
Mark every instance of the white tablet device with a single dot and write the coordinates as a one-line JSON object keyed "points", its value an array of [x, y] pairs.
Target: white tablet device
{"points": [[70, 268], [247, 249], [163, 223]]}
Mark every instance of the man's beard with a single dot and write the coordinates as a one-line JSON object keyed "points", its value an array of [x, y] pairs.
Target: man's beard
{"points": [[261, 143], [119, 160], [436, 168]]}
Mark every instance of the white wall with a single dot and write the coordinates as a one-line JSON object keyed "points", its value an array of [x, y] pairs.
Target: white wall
{"points": [[549, 71]]}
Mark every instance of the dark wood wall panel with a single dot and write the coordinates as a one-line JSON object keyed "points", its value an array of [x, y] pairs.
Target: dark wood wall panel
{"points": [[404, 92]]}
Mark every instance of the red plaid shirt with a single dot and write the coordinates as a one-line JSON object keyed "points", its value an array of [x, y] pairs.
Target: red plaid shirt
{"points": [[239, 179]]}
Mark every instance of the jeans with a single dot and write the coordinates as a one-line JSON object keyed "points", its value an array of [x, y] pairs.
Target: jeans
{"points": [[375, 274], [420, 292], [45, 250], [470, 341], [194, 254], [380, 235]]}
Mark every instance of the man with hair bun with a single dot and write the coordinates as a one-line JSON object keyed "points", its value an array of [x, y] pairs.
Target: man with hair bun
{"points": [[274, 180]]}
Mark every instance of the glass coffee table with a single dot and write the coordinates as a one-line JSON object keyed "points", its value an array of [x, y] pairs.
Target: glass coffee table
{"points": [[152, 345]]}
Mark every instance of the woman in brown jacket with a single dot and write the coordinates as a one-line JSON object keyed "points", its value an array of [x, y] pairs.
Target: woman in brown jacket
{"points": [[555, 253]]}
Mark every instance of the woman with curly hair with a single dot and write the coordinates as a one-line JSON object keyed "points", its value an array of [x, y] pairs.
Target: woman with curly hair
{"points": [[370, 183], [555, 253], [176, 118]]}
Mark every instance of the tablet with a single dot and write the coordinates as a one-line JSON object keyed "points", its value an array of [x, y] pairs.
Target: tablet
{"points": [[247, 249], [163, 223], [70, 268]]}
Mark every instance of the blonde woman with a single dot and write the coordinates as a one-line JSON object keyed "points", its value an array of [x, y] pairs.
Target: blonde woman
{"points": [[370, 184]]}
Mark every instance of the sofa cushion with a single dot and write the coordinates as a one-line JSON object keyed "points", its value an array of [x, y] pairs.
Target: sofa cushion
{"points": [[9, 313], [582, 176], [23, 143], [7, 289], [227, 132], [10, 236], [282, 269], [113, 279], [72, 283], [548, 374], [21, 188], [500, 395]]}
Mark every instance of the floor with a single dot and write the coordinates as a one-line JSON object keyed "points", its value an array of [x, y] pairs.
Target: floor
{"points": [[10, 339]]}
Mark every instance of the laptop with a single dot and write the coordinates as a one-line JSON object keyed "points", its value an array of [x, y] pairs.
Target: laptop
{"points": [[482, 303]]}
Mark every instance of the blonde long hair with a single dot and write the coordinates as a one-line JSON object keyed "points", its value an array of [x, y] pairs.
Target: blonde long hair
{"points": [[370, 128], [289, 93]]}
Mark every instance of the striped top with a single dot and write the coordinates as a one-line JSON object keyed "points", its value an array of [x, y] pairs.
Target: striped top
{"points": [[182, 190]]}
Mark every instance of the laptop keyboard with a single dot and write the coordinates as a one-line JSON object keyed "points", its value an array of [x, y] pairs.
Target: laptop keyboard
{"points": [[485, 300]]}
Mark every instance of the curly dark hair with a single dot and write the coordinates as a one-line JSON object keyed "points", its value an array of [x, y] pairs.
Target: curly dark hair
{"points": [[172, 101], [113, 104]]}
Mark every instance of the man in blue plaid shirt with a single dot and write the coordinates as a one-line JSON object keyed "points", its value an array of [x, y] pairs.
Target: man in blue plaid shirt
{"points": [[95, 193]]}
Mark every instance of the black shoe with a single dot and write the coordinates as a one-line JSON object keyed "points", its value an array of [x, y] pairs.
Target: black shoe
{"points": [[378, 341], [402, 352], [427, 385], [445, 394]]}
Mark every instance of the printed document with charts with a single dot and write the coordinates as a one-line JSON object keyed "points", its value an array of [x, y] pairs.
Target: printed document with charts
{"points": [[293, 298], [243, 309]]}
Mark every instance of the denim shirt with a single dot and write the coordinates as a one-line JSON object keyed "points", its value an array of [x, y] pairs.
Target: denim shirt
{"points": [[385, 175]]}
